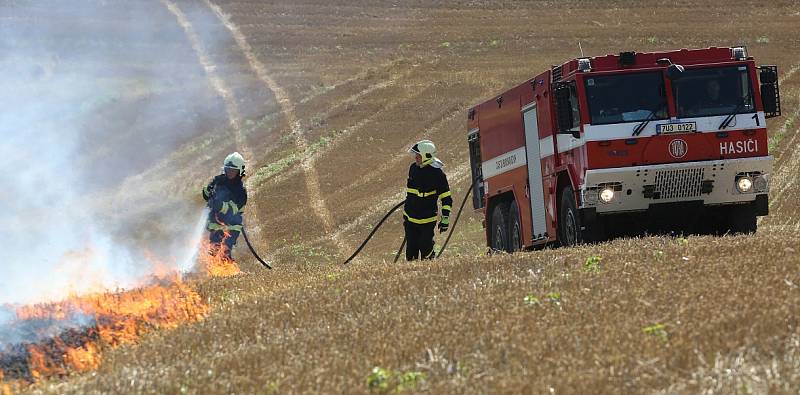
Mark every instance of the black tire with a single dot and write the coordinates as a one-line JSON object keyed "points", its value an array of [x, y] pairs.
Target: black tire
{"points": [[569, 222], [498, 233], [514, 228], [742, 219]]}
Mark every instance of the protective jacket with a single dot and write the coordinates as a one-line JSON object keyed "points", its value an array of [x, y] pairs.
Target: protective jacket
{"points": [[426, 185], [226, 199]]}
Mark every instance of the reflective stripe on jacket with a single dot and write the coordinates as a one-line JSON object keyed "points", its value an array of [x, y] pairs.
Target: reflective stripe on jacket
{"points": [[426, 186], [226, 199]]}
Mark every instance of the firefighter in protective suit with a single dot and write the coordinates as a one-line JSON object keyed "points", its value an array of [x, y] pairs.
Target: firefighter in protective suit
{"points": [[426, 186], [226, 197]]}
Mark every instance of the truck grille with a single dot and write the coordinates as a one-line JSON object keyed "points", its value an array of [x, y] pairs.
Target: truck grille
{"points": [[678, 183]]}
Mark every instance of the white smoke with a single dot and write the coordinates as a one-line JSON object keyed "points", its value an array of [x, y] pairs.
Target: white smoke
{"points": [[66, 143]]}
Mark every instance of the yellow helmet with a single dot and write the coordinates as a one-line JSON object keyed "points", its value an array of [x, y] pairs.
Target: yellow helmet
{"points": [[234, 161]]}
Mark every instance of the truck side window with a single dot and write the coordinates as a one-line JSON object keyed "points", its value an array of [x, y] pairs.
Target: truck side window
{"points": [[568, 112], [573, 101]]}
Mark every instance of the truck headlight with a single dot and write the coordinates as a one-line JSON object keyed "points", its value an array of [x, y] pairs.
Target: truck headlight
{"points": [[590, 197], [744, 184], [606, 195]]}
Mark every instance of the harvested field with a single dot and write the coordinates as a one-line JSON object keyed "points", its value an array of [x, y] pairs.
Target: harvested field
{"points": [[324, 97]]}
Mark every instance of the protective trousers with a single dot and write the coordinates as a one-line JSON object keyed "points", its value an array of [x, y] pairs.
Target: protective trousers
{"points": [[419, 240], [218, 237]]}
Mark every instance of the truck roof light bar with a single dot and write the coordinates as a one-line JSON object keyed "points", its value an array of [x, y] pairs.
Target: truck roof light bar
{"points": [[584, 64], [739, 53]]}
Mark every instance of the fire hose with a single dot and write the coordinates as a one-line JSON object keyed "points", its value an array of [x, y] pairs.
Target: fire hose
{"points": [[460, 210], [253, 250], [393, 209], [375, 229], [403, 244]]}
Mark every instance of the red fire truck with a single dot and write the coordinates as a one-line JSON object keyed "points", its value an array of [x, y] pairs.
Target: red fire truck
{"points": [[625, 144]]}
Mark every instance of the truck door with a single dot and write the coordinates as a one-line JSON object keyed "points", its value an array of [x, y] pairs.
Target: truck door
{"points": [[532, 151]]}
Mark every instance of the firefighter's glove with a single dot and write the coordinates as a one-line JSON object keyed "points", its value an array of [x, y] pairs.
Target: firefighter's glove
{"points": [[208, 192], [444, 224]]}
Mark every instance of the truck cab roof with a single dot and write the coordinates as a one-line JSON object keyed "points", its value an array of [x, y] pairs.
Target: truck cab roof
{"points": [[637, 60]]}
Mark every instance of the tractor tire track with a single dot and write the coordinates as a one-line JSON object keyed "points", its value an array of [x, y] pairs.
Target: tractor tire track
{"points": [[785, 176], [788, 74], [232, 109], [786, 164], [316, 199], [393, 161], [360, 76], [386, 165], [309, 157]]}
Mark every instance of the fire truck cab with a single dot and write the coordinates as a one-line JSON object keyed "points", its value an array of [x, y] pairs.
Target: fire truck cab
{"points": [[625, 144]]}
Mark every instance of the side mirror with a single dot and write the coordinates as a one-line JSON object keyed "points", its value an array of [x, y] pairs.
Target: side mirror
{"points": [[769, 98], [674, 72], [564, 109], [768, 75], [770, 94]]}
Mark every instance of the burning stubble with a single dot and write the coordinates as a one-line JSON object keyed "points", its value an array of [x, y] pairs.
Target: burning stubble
{"points": [[82, 120], [57, 343]]}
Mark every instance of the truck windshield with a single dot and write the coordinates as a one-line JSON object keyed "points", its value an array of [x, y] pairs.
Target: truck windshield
{"points": [[713, 91], [630, 97]]}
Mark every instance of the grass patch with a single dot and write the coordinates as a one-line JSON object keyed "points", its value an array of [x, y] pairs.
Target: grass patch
{"points": [[592, 264], [553, 298], [272, 169], [775, 139], [531, 300], [658, 331], [382, 380]]}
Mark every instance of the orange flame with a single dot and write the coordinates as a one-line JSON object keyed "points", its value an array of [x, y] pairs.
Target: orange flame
{"points": [[116, 318], [216, 262], [119, 318], [42, 364], [83, 359]]}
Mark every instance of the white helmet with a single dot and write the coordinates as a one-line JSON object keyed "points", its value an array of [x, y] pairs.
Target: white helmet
{"points": [[424, 148], [234, 161], [427, 150]]}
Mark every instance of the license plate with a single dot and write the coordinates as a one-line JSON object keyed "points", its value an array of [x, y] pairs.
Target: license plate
{"points": [[670, 128]]}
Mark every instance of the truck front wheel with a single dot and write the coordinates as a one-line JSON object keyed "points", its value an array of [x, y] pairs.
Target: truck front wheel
{"points": [[498, 235], [569, 224]]}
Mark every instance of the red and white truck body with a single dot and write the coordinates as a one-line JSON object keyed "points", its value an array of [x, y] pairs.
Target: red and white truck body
{"points": [[598, 143]]}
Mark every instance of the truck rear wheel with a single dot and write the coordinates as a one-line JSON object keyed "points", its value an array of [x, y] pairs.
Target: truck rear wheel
{"points": [[514, 228], [742, 219], [499, 231], [569, 224]]}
